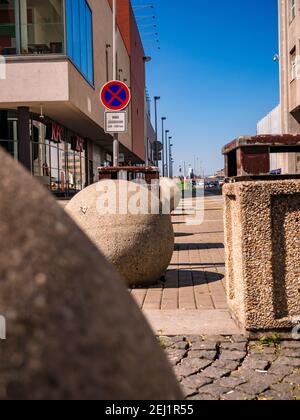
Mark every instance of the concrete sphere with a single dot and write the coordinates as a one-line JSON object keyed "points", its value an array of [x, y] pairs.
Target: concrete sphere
{"points": [[170, 194], [140, 246], [73, 330]]}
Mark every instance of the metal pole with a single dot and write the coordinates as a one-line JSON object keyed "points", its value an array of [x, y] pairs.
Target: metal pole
{"points": [[163, 143], [156, 129], [116, 146], [166, 139], [170, 158], [167, 154]]}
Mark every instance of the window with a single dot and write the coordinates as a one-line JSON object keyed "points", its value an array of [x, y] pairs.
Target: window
{"points": [[9, 132], [8, 41], [293, 65], [31, 27], [42, 28], [56, 163], [292, 10], [80, 36]]}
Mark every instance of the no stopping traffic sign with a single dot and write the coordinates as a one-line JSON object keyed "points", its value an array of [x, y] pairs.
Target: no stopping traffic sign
{"points": [[115, 96]]}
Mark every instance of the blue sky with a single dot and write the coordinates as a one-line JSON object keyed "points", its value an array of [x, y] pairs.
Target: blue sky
{"points": [[215, 71]]}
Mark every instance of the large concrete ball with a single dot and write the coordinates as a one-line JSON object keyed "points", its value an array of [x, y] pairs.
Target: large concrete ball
{"points": [[140, 246], [170, 194], [73, 330]]}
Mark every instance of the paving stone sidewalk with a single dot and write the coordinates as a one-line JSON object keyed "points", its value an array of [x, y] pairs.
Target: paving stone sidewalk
{"points": [[195, 279], [232, 368], [192, 299]]}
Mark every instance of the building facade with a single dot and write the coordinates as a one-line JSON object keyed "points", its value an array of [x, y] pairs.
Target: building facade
{"points": [[58, 56], [289, 59], [271, 124]]}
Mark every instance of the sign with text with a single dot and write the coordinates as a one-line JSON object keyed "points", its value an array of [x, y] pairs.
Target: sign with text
{"points": [[116, 122], [54, 132]]}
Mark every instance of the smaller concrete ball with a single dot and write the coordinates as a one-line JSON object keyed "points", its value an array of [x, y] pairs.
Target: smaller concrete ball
{"points": [[170, 194]]}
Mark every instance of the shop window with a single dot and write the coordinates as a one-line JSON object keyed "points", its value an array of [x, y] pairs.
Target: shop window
{"points": [[9, 132], [39, 28], [80, 36]]}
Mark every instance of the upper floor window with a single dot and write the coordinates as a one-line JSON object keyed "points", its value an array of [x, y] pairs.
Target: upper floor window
{"points": [[293, 65], [31, 27], [292, 10], [80, 36]]}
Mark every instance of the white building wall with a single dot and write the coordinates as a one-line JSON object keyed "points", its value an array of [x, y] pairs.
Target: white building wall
{"points": [[271, 123]]}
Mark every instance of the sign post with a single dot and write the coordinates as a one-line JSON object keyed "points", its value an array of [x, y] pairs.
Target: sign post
{"points": [[115, 97]]}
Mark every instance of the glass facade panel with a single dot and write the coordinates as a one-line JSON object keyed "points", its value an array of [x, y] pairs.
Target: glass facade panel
{"points": [[9, 132], [8, 41], [42, 26], [80, 36], [32, 27], [36, 27]]}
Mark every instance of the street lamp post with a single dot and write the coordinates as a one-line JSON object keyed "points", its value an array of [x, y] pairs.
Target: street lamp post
{"points": [[170, 157], [163, 143], [156, 99], [167, 153]]}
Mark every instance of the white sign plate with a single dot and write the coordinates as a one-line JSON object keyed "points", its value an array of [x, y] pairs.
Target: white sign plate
{"points": [[116, 122]]}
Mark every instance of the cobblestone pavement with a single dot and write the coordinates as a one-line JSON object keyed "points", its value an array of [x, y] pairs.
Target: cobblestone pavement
{"points": [[231, 368]]}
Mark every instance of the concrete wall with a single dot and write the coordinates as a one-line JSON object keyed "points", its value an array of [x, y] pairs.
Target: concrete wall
{"points": [[271, 123], [34, 81]]}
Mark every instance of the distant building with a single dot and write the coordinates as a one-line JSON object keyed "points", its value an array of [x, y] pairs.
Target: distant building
{"points": [[271, 124], [220, 174]]}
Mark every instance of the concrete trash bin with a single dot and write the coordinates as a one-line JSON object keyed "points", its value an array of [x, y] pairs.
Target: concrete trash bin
{"points": [[262, 243]]}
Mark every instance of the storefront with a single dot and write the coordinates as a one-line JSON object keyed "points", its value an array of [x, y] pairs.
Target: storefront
{"points": [[61, 160]]}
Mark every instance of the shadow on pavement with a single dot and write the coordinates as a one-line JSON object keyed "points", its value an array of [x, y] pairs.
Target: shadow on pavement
{"points": [[188, 278], [218, 264], [182, 234], [203, 246]]}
